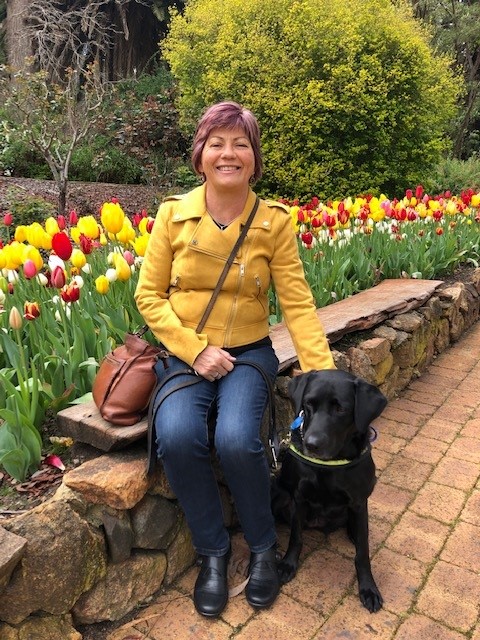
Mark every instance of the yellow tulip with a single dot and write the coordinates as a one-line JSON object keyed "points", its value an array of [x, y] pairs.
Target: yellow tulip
{"points": [[122, 268], [34, 235], [13, 255], [140, 244], [33, 254], [78, 258], [451, 208], [475, 201], [102, 284], [21, 233], [126, 235], [51, 226], [3, 259], [112, 217], [88, 226], [75, 234], [46, 241], [103, 240]]}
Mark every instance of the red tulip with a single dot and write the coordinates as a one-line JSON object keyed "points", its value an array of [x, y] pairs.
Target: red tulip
{"points": [[62, 245], [7, 219], [86, 244], [70, 293], [61, 222], [73, 217], [419, 192], [307, 238], [150, 224], [439, 231], [409, 194]]}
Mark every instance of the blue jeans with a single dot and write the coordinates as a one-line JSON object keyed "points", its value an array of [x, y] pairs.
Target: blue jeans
{"points": [[183, 446]]}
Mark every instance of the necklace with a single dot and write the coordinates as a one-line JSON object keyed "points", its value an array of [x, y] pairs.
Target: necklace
{"points": [[221, 226]]}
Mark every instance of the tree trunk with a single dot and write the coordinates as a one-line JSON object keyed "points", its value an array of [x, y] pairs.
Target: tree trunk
{"points": [[19, 46]]}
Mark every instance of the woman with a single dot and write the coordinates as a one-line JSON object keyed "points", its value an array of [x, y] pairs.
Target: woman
{"points": [[192, 237]]}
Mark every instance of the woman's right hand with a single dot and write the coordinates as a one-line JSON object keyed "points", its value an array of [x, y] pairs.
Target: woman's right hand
{"points": [[213, 363]]}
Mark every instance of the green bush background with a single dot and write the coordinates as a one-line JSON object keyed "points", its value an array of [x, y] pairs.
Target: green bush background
{"points": [[349, 94]]}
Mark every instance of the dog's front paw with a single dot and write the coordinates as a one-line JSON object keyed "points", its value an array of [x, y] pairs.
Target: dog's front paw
{"points": [[286, 571], [371, 599]]}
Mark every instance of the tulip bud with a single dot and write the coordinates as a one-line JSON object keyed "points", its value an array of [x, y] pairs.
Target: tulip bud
{"points": [[58, 277], [7, 219], [15, 319]]}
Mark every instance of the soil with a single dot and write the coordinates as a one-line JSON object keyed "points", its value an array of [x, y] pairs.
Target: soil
{"points": [[85, 197]]}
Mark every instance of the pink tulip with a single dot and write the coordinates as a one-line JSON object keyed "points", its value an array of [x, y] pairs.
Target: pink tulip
{"points": [[29, 269], [129, 257], [7, 219], [58, 278]]}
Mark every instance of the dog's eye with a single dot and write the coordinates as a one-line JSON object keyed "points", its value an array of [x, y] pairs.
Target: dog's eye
{"points": [[339, 409]]}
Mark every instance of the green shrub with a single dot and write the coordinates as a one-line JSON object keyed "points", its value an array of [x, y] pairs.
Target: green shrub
{"points": [[27, 209], [349, 94], [18, 158], [100, 161], [455, 175]]}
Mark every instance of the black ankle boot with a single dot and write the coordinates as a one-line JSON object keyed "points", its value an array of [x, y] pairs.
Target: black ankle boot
{"points": [[264, 583], [210, 595]]}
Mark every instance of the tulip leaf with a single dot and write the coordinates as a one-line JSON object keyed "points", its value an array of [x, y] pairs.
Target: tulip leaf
{"points": [[16, 463]]}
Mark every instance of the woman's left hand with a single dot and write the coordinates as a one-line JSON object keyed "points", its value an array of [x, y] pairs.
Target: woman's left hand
{"points": [[213, 363]]}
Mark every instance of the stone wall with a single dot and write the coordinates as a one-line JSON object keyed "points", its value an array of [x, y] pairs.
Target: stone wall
{"points": [[110, 537]]}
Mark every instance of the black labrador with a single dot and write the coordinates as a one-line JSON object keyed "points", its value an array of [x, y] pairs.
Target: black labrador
{"points": [[328, 472]]}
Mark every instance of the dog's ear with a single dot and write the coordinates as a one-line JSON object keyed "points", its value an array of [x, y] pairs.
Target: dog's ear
{"points": [[369, 404], [296, 389]]}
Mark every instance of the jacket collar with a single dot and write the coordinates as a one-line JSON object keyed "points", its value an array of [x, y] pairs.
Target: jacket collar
{"points": [[192, 205]]}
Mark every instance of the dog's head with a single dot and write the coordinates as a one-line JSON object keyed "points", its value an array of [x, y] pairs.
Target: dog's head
{"points": [[338, 408]]}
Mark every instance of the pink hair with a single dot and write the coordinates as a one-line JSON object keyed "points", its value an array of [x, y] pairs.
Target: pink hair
{"points": [[228, 115]]}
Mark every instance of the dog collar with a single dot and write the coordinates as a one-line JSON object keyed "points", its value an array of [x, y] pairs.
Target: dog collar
{"points": [[341, 462], [296, 429]]}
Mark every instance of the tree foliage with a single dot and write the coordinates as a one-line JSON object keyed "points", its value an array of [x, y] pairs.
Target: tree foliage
{"points": [[455, 27], [349, 94], [54, 117]]}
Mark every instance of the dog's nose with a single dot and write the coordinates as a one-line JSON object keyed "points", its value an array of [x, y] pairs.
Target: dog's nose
{"points": [[315, 443]]}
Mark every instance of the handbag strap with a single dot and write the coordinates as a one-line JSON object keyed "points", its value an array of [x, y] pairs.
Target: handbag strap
{"points": [[227, 266]]}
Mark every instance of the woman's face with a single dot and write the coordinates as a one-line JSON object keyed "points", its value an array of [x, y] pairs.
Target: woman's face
{"points": [[227, 159]]}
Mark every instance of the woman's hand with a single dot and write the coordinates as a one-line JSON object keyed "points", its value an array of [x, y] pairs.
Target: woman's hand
{"points": [[213, 363]]}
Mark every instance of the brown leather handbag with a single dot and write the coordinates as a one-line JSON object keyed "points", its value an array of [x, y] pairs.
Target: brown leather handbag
{"points": [[125, 380]]}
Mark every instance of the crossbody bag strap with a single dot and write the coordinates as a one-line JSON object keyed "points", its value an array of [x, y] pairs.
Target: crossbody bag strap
{"points": [[227, 266]]}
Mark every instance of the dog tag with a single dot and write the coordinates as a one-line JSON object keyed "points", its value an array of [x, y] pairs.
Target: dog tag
{"points": [[297, 423]]}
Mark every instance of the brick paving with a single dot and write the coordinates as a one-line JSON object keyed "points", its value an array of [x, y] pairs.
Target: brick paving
{"points": [[424, 535]]}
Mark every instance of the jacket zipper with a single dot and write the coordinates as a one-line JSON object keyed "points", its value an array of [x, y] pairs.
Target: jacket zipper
{"points": [[241, 274]]}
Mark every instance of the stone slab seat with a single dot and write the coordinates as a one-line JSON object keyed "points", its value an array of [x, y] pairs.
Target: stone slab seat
{"points": [[360, 312]]}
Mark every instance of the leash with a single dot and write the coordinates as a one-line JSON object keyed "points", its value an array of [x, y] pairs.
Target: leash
{"points": [[156, 402]]}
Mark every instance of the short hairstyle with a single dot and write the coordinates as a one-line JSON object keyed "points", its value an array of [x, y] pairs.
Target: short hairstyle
{"points": [[229, 115]]}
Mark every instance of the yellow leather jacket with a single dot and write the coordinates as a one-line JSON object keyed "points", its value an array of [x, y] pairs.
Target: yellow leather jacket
{"points": [[184, 258]]}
